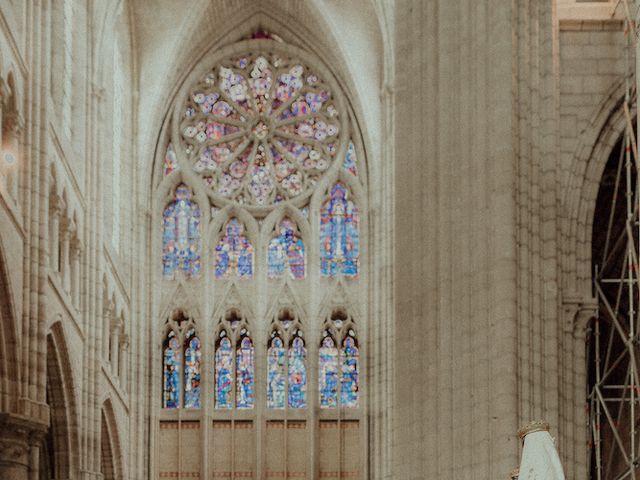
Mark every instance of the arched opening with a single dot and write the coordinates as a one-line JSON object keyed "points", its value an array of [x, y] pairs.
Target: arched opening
{"points": [[59, 448], [612, 356], [110, 460]]}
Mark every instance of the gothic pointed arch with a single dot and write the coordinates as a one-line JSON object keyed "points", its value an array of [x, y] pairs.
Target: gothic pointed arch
{"points": [[110, 446], [9, 364], [63, 430]]}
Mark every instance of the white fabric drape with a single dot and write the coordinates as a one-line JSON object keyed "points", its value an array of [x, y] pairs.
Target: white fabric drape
{"points": [[540, 459]]}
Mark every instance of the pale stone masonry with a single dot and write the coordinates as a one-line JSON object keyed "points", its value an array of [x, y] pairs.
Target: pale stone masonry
{"points": [[482, 128]]}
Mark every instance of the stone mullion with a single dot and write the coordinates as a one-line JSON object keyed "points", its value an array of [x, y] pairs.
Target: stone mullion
{"points": [[95, 267]]}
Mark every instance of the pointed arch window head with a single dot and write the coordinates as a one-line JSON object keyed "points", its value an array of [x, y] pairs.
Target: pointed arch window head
{"points": [[261, 127], [286, 251], [234, 252], [181, 235], [339, 235], [328, 372]]}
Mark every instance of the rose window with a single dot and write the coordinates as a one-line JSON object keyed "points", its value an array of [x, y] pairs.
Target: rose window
{"points": [[260, 129]]}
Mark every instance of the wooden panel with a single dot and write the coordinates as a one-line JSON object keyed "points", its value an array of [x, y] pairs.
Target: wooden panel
{"points": [[190, 449], [275, 460], [168, 450], [351, 449], [297, 451], [244, 453], [220, 449], [329, 455]]}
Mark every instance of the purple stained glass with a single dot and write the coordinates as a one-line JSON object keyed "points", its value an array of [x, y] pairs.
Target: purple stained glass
{"points": [[349, 379], [244, 374], [234, 252], [171, 372], [339, 237], [297, 374], [170, 161], [224, 374], [276, 374], [350, 161], [286, 252], [181, 235], [192, 356], [328, 373]]}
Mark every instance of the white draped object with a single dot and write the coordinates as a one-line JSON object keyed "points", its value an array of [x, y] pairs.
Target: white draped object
{"points": [[540, 459]]}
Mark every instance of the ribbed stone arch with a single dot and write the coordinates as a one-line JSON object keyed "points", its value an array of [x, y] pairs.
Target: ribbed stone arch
{"points": [[62, 405]]}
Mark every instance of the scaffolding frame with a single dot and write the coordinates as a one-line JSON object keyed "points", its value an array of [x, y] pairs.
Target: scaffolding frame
{"points": [[614, 406]]}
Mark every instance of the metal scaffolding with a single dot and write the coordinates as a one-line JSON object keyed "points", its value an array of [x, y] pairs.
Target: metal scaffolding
{"points": [[613, 345]]}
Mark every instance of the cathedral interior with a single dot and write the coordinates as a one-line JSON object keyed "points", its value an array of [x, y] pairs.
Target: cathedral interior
{"points": [[317, 239]]}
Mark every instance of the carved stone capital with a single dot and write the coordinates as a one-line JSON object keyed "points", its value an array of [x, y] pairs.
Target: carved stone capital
{"points": [[56, 205], [17, 435], [577, 313], [12, 123]]}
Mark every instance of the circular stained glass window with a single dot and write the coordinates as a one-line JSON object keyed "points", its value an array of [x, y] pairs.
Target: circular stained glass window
{"points": [[262, 127]]}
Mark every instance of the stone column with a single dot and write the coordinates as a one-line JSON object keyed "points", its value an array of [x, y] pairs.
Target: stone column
{"points": [[56, 207], [19, 438], [64, 261], [11, 129], [124, 361], [76, 248], [115, 345]]}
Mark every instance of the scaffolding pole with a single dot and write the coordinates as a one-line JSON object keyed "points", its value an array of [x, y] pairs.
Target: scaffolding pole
{"points": [[614, 396]]}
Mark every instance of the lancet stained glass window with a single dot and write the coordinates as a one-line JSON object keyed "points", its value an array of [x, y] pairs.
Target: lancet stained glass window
{"points": [[349, 384], [181, 235], [224, 373], [276, 365], [171, 372], [244, 373], [339, 238], [286, 251], [297, 373], [192, 356], [234, 252], [328, 373]]}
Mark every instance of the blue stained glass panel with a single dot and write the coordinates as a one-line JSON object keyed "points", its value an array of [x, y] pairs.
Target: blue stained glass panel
{"points": [[244, 374], [350, 161], [297, 374], [276, 374], [171, 387], [192, 355], [181, 235], [328, 373], [224, 374], [234, 252], [349, 379], [286, 252], [339, 238]]}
